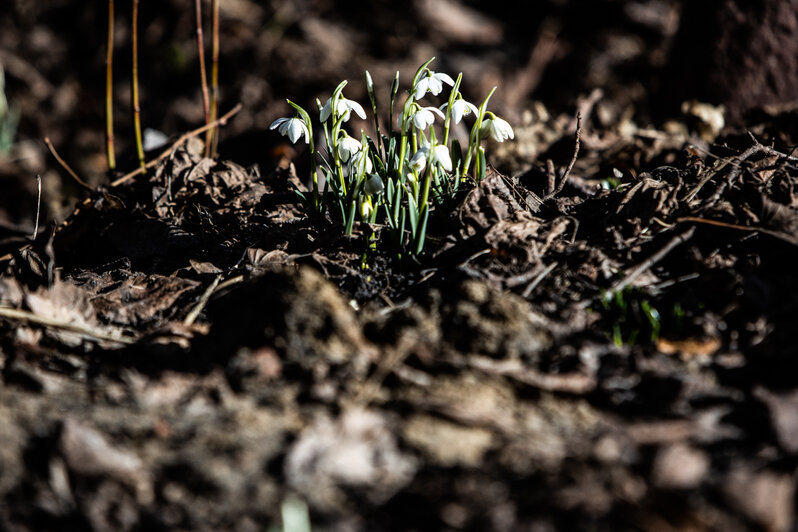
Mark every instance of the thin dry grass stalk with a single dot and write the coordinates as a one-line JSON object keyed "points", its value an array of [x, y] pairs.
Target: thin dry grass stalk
{"points": [[212, 137], [135, 86], [203, 75], [109, 118]]}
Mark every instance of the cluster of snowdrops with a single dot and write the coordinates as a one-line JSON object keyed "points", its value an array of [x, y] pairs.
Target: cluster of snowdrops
{"points": [[396, 180]]}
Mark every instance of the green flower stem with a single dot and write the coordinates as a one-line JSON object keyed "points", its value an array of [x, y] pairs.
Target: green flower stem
{"points": [[373, 100], [422, 203], [473, 143], [402, 154], [313, 168], [394, 92], [452, 98], [424, 200], [419, 72], [423, 212], [336, 128]]}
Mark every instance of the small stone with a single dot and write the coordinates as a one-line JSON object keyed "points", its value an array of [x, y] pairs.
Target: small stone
{"points": [[679, 466]]}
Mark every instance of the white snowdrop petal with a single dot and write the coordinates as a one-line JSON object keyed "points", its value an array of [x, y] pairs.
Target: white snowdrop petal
{"points": [[435, 85], [365, 209], [357, 108], [346, 147], [374, 185], [278, 122], [419, 160], [423, 118], [501, 130], [442, 156], [293, 128], [421, 88], [457, 111], [326, 111], [446, 78], [436, 111]]}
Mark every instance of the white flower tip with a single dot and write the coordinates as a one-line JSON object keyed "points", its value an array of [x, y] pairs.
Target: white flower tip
{"points": [[374, 185], [357, 108], [365, 209], [442, 156], [446, 78]]}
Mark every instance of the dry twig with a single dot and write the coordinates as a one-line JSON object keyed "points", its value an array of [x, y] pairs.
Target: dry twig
{"points": [[567, 171], [88, 332], [638, 270], [191, 317], [183, 138], [64, 165], [38, 206]]}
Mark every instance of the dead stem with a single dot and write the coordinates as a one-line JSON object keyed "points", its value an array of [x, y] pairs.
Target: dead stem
{"points": [[537, 280], [717, 223], [638, 270], [135, 85], [212, 137], [192, 316], [203, 76], [38, 206], [109, 118], [567, 171], [88, 332], [64, 165]]}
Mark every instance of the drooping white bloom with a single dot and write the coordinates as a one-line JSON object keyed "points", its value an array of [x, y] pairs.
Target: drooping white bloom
{"points": [[419, 160], [347, 146], [292, 128], [356, 161], [365, 209], [343, 107], [432, 82], [497, 128], [440, 154], [460, 108], [374, 185], [424, 117]]}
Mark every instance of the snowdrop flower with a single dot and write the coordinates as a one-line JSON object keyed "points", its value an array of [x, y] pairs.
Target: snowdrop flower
{"points": [[460, 108], [419, 160], [423, 118], [365, 209], [343, 107], [347, 146], [292, 128], [432, 82], [357, 159], [497, 128], [374, 185], [440, 154]]}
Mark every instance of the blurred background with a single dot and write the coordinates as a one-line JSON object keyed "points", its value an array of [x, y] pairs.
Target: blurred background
{"points": [[645, 56]]}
